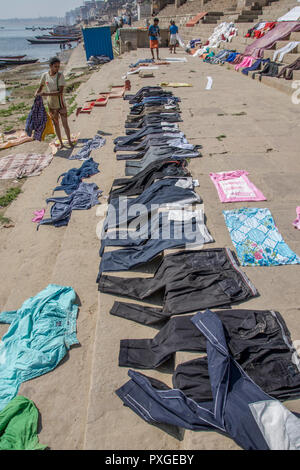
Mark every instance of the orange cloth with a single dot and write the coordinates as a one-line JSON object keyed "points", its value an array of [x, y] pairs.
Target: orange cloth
{"points": [[153, 44]]}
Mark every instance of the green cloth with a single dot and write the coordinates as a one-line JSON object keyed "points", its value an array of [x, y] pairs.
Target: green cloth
{"points": [[117, 36], [18, 425]]}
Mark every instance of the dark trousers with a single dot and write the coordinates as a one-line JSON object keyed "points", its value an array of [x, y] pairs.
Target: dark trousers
{"points": [[155, 170], [188, 281]]}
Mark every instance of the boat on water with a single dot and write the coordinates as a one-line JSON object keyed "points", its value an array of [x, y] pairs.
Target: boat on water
{"points": [[50, 41], [4, 62], [50, 38], [15, 57]]}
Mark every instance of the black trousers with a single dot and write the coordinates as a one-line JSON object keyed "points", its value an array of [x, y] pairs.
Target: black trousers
{"points": [[258, 340], [188, 281], [277, 376], [156, 170]]}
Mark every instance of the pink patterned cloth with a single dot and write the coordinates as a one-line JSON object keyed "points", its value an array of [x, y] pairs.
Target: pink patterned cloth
{"points": [[234, 186], [247, 62], [296, 222], [38, 215]]}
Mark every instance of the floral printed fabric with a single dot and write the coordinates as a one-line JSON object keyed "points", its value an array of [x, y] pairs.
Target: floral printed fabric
{"points": [[256, 238], [234, 186]]}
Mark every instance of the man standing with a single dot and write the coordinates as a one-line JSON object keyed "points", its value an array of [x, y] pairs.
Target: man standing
{"points": [[173, 36], [154, 34], [54, 82]]}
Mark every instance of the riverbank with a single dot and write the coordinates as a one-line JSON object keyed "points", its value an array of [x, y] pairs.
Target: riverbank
{"points": [[22, 81]]}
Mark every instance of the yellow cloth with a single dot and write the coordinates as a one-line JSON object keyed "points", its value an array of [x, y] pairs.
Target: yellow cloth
{"points": [[175, 85], [49, 129]]}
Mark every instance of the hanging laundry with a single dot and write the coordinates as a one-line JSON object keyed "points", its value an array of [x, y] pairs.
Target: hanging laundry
{"points": [[37, 119], [257, 239], [72, 178], [19, 425], [21, 165], [92, 144], [234, 186], [296, 222], [41, 332], [82, 198]]}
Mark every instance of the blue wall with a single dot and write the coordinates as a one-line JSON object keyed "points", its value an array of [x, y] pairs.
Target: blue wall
{"points": [[97, 41]]}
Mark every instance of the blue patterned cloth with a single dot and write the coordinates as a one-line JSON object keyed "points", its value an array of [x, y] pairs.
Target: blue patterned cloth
{"points": [[37, 119], [257, 239]]}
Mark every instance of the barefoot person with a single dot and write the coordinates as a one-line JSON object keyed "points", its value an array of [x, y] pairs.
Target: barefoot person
{"points": [[154, 33], [173, 36], [55, 82]]}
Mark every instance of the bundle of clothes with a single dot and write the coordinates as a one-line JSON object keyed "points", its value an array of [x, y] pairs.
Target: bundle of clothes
{"points": [[250, 364], [98, 60], [260, 29], [80, 195], [224, 32]]}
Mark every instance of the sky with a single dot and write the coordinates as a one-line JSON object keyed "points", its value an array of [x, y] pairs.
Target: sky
{"points": [[36, 8]]}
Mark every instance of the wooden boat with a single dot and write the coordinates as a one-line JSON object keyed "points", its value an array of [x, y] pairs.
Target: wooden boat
{"points": [[50, 38], [15, 57], [48, 41], [5, 62]]}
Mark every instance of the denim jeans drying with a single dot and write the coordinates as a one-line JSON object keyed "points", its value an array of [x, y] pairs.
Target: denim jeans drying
{"points": [[122, 210], [167, 234]]}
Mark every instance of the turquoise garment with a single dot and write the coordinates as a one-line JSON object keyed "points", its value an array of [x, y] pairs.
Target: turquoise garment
{"points": [[40, 334], [256, 238]]}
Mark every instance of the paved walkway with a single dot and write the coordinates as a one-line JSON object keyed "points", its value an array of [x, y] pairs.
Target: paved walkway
{"points": [[78, 406]]}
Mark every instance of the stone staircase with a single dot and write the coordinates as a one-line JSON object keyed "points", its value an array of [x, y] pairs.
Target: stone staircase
{"points": [[271, 13]]}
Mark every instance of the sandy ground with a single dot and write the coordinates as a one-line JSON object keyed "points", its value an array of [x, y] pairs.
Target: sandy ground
{"points": [[78, 406]]}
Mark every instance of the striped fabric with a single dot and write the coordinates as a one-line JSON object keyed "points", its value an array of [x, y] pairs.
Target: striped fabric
{"points": [[20, 165]]}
